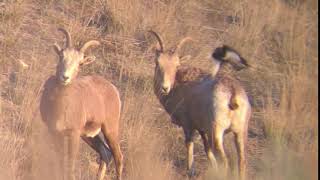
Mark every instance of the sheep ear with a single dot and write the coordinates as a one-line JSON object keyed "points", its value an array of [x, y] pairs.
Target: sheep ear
{"points": [[158, 47], [88, 60], [154, 49]]}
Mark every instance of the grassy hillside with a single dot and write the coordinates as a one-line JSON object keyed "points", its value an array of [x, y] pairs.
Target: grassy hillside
{"points": [[277, 37]]}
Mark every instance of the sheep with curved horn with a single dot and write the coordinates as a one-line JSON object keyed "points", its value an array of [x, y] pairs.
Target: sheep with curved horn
{"points": [[86, 107], [210, 103]]}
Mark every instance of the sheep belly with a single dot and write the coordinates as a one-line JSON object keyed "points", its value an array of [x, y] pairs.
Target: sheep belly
{"points": [[91, 129], [92, 133]]}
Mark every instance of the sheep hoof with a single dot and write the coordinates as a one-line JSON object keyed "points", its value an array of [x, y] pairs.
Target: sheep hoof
{"points": [[191, 173]]}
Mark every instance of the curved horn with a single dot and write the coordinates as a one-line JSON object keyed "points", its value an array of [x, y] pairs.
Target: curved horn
{"points": [[159, 39], [67, 34], [88, 44], [57, 48], [184, 40]]}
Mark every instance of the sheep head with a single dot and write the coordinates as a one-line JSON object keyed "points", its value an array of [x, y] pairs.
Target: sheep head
{"points": [[70, 58], [167, 63]]}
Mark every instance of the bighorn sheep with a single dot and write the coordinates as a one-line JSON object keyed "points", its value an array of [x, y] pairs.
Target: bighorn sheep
{"points": [[86, 107], [210, 103]]}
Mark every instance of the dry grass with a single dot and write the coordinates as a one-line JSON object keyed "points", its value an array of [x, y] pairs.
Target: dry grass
{"points": [[278, 37]]}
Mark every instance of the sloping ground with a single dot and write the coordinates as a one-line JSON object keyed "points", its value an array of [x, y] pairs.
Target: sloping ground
{"points": [[153, 147]]}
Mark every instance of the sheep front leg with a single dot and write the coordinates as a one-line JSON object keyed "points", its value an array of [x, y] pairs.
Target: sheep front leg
{"points": [[189, 144], [240, 140], [71, 147], [58, 144]]}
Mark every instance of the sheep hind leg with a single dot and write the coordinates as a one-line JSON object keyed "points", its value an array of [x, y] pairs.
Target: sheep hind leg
{"points": [[240, 140], [99, 145], [102, 170], [113, 142], [207, 143], [105, 155], [217, 135]]}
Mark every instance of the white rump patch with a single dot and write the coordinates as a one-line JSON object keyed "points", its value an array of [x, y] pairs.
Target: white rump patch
{"points": [[221, 108]]}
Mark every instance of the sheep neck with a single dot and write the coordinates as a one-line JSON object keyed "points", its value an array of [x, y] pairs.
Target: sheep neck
{"points": [[56, 89], [185, 76]]}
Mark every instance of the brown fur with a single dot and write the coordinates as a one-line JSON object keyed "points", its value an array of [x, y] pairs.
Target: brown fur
{"points": [[85, 104], [188, 74]]}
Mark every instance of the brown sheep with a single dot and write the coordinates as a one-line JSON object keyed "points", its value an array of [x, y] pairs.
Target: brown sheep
{"points": [[86, 107], [210, 103]]}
